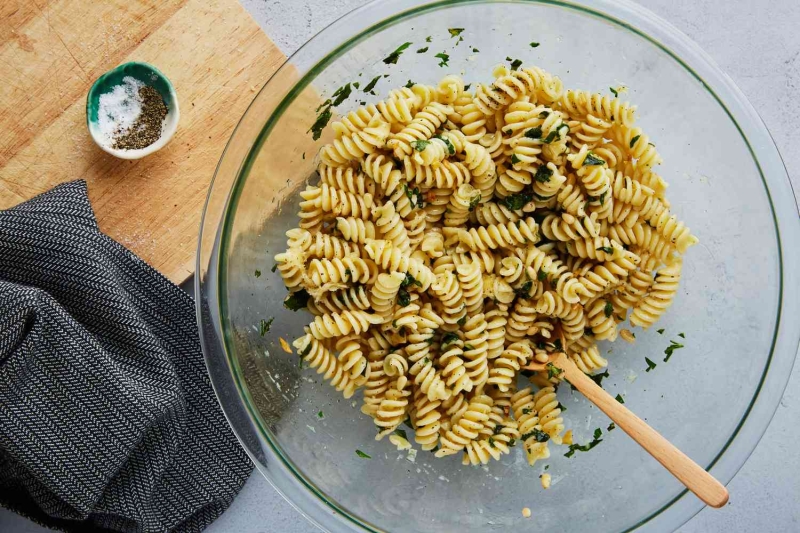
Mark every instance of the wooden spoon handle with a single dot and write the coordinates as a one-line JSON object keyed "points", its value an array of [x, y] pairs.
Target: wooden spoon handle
{"points": [[692, 475]]}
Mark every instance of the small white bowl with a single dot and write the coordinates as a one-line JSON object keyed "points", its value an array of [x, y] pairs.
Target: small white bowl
{"points": [[149, 75]]}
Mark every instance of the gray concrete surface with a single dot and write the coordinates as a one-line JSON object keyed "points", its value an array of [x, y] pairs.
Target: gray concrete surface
{"points": [[759, 48]]}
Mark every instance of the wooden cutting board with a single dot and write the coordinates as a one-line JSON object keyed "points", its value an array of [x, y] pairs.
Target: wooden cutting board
{"points": [[51, 51]]}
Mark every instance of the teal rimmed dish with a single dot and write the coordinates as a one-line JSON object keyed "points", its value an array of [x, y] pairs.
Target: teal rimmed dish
{"points": [[149, 75], [740, 292]]}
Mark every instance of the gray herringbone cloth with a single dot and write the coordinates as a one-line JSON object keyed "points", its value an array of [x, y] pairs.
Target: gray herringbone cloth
{"points": [[107, 417]]}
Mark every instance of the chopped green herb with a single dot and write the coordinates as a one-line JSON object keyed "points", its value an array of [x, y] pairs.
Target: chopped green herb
{"points": [[650, 364], [598, 378], [475, 50], [541, 275], [264, 325], [296, 300], [306, 350], [436, 449], [448, 338], [544, 114], [491, 442], [409, 279], [362, 455], [608, 250], [592, 159], [474, 201], [392, 58], [422, 50], [553, 371], [461, 321], [348, 273], [409, 84], [671, 348], [428, 39], [517, 201], [426, 361], [660, 331], [619, 398], [258, 273], [467, 86], [543, 174], [537, 434], [515, 64], [612, 426], [555, 133], [455, 32], [515, 159], [444, 59], [420, 145], [613, 90], [526, 411], [401, 433], [469, 347], [524, 290], [320, 415], [371, 85], [450, 148], [534, 133], [557, 345], [534, 45], [322, 121], [585, 447], [681, 335], [341, 94], [608, 309], [633, 141], [512, 443], [403, 298], [356, 84]]}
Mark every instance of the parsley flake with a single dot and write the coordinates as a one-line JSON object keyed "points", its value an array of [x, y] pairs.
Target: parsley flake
{"points": [[258, 273], [392, 58], [619, 398], [671, 348], [592, 159], [420, 145], [553, 371], [371, 85], [362, 455], [444, 59], [608, 309], [633, 141], [296, 300], [264, 325], [422, 50], [534, 45], [650, 364], [455, 32]]}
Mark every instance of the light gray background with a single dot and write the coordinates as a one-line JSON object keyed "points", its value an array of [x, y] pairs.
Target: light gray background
{"points": [[758, 45]]}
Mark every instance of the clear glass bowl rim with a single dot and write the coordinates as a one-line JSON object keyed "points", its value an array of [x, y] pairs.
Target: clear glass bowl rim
{"points": [[371, 18]]}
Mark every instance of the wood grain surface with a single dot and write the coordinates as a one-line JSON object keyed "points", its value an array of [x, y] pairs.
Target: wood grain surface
{"points": [[51, 51]]}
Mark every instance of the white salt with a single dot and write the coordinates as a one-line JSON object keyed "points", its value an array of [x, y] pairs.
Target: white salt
{"points": [[119, 109]]}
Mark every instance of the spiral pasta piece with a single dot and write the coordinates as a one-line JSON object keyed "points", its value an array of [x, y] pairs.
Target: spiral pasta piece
{"points": [[382, 171], [496, 236], [390, 258], [338, 202], [384, 293], [569, 228], [422, 127], [341, 300], [660, 297], [350, 269], [447, 175], [322, 245], [319, 358], [390, 226], [547, 407], [454, 372], [355, 229], [510, 86], [468, 426], [471, 281], [462, 202], [346, 179], [350, 148], [600, 317], [426, 419], [341, 324], [588, 360], [582, 103], [504, 368], [448, 291], [476, 349], [495, 213], [291, 265]]}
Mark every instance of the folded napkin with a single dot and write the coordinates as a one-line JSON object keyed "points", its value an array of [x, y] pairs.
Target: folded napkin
{"points": [[107, 417]]}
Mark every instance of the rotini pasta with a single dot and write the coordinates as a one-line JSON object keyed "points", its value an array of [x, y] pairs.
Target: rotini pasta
{"points": [[456, 237]]}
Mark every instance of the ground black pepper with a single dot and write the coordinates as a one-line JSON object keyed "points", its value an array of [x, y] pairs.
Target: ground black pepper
{"points": [[147, 128]]}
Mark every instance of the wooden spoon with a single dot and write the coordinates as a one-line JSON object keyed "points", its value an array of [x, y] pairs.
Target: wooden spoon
{"points": [[692, 475]]}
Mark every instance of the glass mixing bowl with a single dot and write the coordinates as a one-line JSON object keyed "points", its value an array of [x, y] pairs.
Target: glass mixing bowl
{"points": [[713, 399]]}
